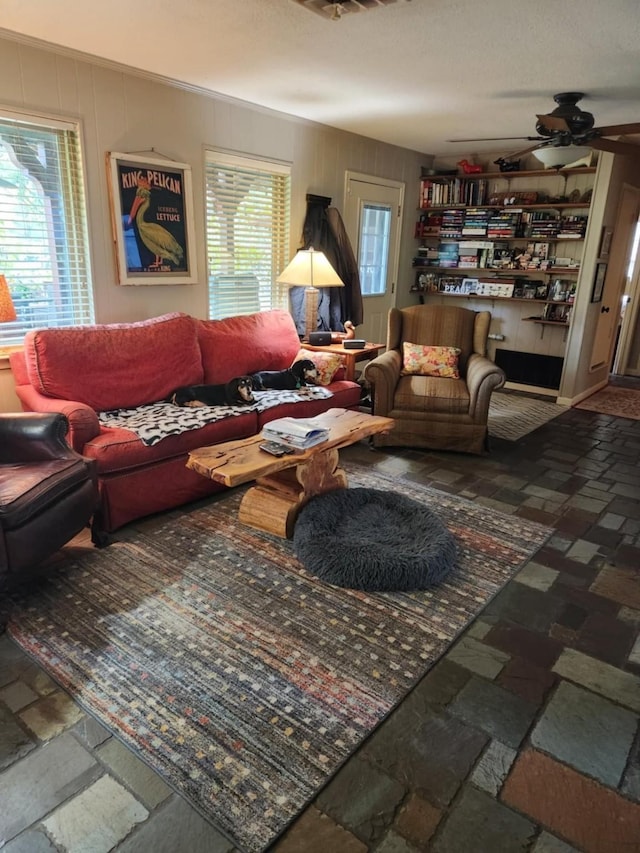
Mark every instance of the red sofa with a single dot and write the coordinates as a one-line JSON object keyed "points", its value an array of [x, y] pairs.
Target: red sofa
{"points": [[89, 369]]}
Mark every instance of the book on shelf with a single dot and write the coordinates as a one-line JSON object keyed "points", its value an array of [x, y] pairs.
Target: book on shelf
{"points": [[429, 224], [296, 433], [475, 244], [447, 254]]}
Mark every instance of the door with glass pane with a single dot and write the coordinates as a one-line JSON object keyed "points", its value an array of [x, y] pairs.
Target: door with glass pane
{"points": [[373, 216]]}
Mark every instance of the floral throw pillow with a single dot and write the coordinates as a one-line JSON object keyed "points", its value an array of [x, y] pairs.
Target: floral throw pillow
{"points": [[430, 361], [327, 364]]}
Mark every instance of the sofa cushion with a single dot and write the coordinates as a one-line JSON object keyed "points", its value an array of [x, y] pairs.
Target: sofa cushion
{"points": [[327, 364], [117, 449], [240, 345], [430, 361], [118, 365]]}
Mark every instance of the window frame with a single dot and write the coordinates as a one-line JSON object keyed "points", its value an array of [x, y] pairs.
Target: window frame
{"points": [[246, 291], [12, 334]]}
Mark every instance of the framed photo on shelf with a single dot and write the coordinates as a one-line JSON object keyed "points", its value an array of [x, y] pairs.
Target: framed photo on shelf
{"points": [[542, 291], [151, 206], [605, 243], [598, 282]]}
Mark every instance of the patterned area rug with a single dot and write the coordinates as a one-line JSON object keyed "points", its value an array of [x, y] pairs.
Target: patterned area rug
{"points": [[241, 678], [512, 416], [619, 402]]}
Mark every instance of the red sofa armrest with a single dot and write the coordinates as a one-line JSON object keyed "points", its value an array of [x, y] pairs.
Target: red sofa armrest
{"points": [[83, 421]]}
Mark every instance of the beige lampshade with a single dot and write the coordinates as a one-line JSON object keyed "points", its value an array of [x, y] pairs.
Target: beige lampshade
{"points": [[7, 309], [309, 269]]}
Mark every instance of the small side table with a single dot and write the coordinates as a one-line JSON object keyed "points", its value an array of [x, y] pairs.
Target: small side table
{"points": [[349, 356]]}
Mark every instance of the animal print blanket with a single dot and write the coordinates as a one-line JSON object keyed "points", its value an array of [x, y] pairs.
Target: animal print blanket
{"points": [[156, 421]]}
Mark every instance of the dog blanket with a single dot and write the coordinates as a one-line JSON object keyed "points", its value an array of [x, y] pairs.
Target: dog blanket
{"points": [[156, 421]]}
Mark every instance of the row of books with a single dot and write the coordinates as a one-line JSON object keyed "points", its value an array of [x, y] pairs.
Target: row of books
{"points": [[500, 223], [436, 192], [493, 254], [455, 191]]}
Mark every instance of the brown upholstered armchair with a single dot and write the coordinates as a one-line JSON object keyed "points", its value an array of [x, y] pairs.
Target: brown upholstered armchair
{"points": [[436, 412], [48, 492]]}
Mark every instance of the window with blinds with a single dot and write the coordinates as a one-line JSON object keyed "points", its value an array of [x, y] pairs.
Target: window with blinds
{"points": [[43, 233], [247, 233]]}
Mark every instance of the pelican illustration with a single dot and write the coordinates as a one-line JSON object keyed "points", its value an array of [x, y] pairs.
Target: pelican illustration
{"points": [[157, 239]]}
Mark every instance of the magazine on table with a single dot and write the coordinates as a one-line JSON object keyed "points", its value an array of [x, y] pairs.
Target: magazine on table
{"points": [[299, 433]]}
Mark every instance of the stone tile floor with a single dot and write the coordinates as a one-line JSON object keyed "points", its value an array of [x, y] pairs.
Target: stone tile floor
{"points": [[524, 737]]}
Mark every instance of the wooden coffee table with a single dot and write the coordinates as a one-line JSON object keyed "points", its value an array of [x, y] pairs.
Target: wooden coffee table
{"points": [[284, 484]]}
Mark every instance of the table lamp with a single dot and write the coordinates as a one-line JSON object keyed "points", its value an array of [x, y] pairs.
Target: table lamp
{"points": [[7, 309], [311, 270]]}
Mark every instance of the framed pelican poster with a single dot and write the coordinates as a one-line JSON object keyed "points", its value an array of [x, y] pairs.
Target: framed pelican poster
{"points": [[152, 218]]}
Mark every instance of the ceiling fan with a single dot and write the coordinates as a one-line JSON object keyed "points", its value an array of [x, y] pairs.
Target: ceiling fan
{"points": [[570, 125]]}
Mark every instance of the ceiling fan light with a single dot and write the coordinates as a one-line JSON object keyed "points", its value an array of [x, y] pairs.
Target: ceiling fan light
{"points": [[553, 157]]}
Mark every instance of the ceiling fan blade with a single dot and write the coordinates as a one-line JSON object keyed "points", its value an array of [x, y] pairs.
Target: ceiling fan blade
{"points": [[618, 129], [524, 151], [553, 123], [615, 147]]}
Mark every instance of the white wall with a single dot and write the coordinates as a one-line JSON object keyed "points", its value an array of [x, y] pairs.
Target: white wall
{"points": [[128, 112]]}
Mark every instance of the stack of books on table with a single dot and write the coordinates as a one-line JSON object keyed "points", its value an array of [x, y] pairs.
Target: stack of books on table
{"points": [[295, 433]]}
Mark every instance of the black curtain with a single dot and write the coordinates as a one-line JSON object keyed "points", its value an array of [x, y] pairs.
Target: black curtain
{"points": [[324, 229]]}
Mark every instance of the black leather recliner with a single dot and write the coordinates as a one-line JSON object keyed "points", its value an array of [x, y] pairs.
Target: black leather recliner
{"points": [[48, 492]]}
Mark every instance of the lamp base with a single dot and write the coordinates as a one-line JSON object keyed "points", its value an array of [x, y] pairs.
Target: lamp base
{"points": [[311, 296]]}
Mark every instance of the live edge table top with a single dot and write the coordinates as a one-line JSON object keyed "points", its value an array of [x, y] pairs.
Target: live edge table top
{"points": [[235, 462]]}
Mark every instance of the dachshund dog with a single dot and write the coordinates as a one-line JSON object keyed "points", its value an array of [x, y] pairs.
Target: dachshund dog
{"points": [[300, 373], [236, 392]]}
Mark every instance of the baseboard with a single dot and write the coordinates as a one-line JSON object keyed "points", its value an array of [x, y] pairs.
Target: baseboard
{"points": [[531, 389], [571, 401]]}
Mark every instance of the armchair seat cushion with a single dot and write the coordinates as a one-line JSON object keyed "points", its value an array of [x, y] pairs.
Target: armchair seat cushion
{"points": [[431, 394], [27, 489]]}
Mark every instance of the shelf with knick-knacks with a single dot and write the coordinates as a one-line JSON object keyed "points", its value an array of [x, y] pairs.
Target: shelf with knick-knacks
{"points": [[530, 188], [511, 243], [551, 300], [559, 291]]}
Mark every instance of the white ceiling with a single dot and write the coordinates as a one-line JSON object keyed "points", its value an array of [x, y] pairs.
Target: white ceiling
{"points": [[415, 73]]}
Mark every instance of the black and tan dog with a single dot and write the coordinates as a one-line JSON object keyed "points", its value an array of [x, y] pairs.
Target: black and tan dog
{"points": [[300, 373], [236, 392]]}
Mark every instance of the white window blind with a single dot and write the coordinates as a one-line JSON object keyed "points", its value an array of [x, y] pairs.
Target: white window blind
{"points": [[247, 233], [43, 234]]}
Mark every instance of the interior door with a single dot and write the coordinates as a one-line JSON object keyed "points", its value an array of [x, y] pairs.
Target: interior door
{"points": [[627, 357], [373, 219], [616, 278]]}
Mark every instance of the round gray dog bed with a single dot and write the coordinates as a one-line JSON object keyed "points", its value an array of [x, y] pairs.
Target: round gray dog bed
{"points": [[373, 540]]}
